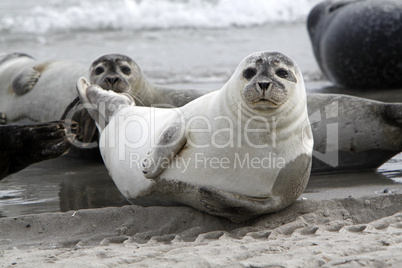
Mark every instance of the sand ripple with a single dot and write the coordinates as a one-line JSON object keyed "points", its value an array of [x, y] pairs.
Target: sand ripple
{"points": [[342, 233]]}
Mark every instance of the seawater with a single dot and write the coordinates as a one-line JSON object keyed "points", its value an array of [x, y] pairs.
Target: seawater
{"points": [[174, 41], [44, 16]]}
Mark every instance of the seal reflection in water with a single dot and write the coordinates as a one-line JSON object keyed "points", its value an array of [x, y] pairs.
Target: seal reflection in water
{"points": [[238, 152]]}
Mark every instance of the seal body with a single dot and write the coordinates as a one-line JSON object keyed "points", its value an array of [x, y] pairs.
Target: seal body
{"points": [[358, 44], [353, 134], [238, 152], [35, 91]]}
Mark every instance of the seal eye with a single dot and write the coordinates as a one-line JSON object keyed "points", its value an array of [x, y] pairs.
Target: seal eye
{"points": [[249, 73], [126, 70], [282, 73], [99, 70]]}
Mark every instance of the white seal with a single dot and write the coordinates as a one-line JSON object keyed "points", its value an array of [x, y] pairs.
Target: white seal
{"points": [[238, 152]]}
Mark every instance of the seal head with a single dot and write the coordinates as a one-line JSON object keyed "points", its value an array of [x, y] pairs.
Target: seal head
{"points": [[269, 77], [115, 72]]}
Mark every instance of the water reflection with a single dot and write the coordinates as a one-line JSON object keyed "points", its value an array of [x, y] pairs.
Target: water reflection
{"points": [[387, 179], [93, 191], [58, 185], [70, 184]]}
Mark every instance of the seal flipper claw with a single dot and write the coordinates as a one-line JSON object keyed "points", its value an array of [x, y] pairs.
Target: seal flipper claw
{"points": [[169, 144], [25, 81]]}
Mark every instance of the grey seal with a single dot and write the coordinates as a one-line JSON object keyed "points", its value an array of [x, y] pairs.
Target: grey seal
{"points": [[352, 133]]}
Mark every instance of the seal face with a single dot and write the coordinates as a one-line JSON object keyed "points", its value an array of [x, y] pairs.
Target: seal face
{"points": [[115, 72], [268, 81], [357, 44], [265, 98]]}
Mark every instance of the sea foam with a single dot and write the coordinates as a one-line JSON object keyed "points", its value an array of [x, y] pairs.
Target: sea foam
{"points": [[70, 16]]}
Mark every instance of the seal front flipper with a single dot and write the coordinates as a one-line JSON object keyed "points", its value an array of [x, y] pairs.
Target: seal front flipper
{"points": [[25, 81], [23, 145], [170, 142], [236, 207]]}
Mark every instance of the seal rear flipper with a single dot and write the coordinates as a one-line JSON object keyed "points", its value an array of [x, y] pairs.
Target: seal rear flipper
{"points": [[101, 104], [25, 81], [236, 207], [169, 144]]}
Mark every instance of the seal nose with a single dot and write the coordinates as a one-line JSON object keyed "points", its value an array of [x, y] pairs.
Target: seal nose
{"points": [[112, 80], [264, 85]]}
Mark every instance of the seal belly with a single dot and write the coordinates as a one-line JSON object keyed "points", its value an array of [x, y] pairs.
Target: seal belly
{"points": [[247, 173]]}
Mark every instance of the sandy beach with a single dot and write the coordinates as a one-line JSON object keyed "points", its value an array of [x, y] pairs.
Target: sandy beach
{"points": [[345, 232]]}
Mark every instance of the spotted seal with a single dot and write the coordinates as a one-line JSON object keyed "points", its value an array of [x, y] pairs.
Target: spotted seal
{"points": [[255, 130]]}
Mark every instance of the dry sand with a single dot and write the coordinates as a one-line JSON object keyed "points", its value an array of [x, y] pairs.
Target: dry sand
{"points": [[345, 232]]}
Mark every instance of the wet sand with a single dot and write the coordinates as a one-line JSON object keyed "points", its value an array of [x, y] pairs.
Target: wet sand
{"points": [[342, 232]]}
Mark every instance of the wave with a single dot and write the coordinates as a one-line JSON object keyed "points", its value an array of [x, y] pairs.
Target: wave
{"points": [[74, 15]]}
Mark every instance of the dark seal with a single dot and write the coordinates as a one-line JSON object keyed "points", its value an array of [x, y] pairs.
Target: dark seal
{"points": [[358, 43], [23, 145]]}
